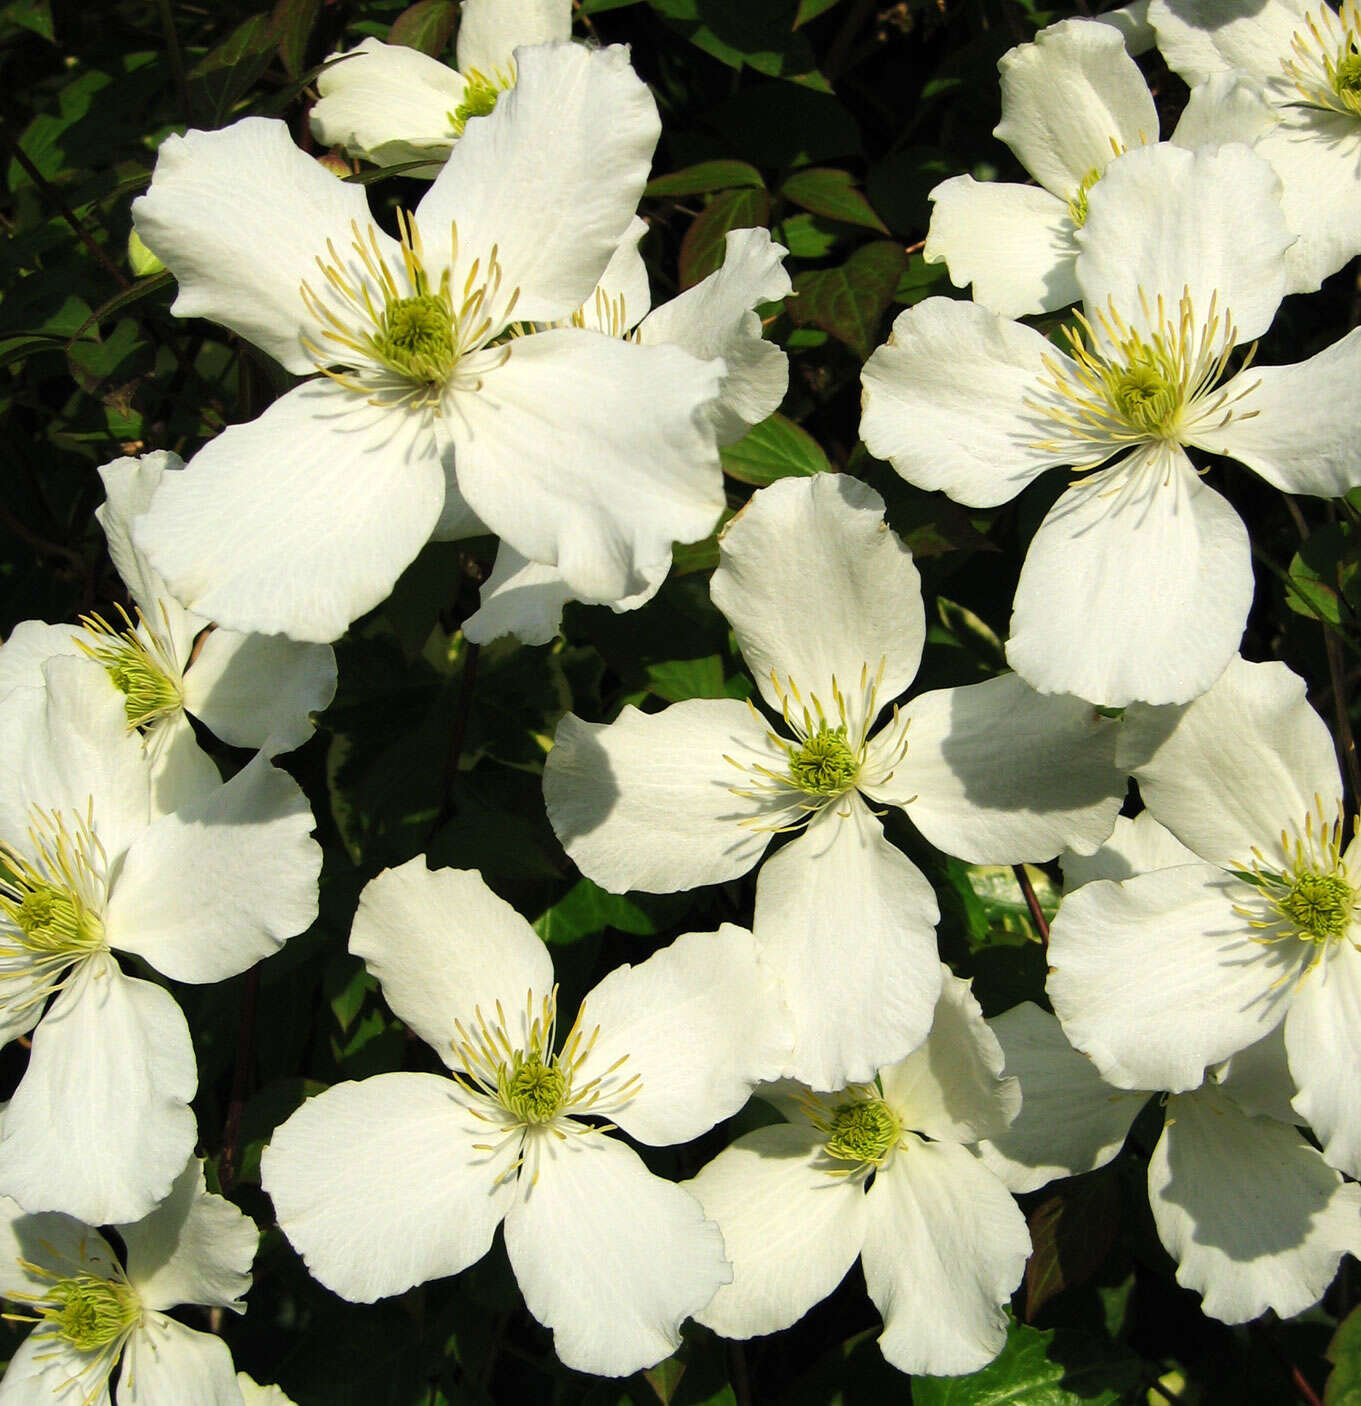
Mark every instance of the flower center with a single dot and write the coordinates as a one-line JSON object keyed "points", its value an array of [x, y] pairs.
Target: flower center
{"points": [[416, 338], [1324, 68], [1319, 906], [533, 1089], [1077, 206], [825, 764], [141, 665], [51, 919], [863, 1131], [1145, 393], [479, 98], [90, 1312]]}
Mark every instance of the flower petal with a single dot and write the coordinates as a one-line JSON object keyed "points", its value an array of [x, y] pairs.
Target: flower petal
{"points": [[100, 1125], [46, 1368], [1136, 586], [944, 1248], [1253, 1215], [35, 1249], [444, 946], [167, 1364], [382, 1184], [845, 922], [253, 1394], [1323, 1041], [490, 30], [1134, 847], [610, 1257], [240, 216], [299, 521], [1226, 107], [182, 773], [1201, 37], [623, 295], [790, 1230]]}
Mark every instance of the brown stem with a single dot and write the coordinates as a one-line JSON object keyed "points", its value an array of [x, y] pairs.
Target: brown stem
{"points": [[1346, 743], [229, 1163], [1031, 902], [1307, 1393]]}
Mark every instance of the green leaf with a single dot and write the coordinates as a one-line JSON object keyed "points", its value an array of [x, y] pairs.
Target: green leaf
{"points": [[1325, 576], [850, 301], [922, 280], [1344, 1352], [778, 125], [756, 34], [776, 448], [831, 192], [702, 249], [704, 177], [225, 74], [587, 909], [1071, 1232], [291, 25], [808, 236], [811, 9], [426, 26], [35, 15]]}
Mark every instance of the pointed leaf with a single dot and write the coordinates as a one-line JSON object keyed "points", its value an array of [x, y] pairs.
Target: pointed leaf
{"points": [[426, 26], [776, 448], [850, 301], [830, 192], [702, 249], [704, 177]]}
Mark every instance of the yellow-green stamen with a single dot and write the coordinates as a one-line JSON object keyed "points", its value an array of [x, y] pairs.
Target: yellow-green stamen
{"points": [[479, 99], [90, 1312], [532, 1088], [1077, 206], [1325, 64], [140, 664], [863, 1131], [825, 764]]}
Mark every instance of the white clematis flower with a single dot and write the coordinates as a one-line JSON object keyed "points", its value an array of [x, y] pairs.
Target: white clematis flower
{"points": [[390, 104], [439, 411], [715, 318], [1165, 974], [826, 606], [251, 690], [91, 1309], [1137, 584], [253, 1394], [1307, 60], [885, 1172], [100, 1124], [401, 1178]]}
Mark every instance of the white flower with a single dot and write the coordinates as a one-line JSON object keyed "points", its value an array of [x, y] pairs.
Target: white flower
{"points": [[1138, 581], [1160, 976], [441, 418], [885, 1172], [401, 1178], [91, 1308], [826, 606], [100, 1124], [251, 690], [253, 1394], [1307, 59], [715, 318], [393, 104]]}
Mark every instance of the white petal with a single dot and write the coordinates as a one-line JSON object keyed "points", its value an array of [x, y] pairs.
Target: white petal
{"points": [[822, 542], [1323, 1038], [646, 802], [717, 317], [30, 644], [997, 773], [845, 922], [790, 1229], [1254, 1216], [951, 1087], [610, 1257], [253, 1394], [489, 30], [945, 403], [167, 1364], [623, 296], [100, 1125], [1071, 101], [1146, 237], [240, 216], [444, 946], [215, 887], [182, 773], [1226, 107], [944, 1248], [1226, 773], [299, 521], [1158, 977], [381, 1184], [195, 1247], [1136, 586], [47, 1369], [699, 1023], [552, 455], [550, 181], [1201, 37], [35, 1249], [1135, 847], [1258, 1078], [1299, 424], [1131, 23], [1070, 1121], [1013, 243]]}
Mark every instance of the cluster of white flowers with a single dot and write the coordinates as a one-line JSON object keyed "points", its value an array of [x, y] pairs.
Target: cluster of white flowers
{"points": [[496, 367]]}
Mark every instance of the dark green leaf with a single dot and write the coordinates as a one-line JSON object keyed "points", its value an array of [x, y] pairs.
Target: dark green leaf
{"points": [[850, 301], [291, 24], [811, 9], [830, 192], [426, 26], [808, 236], [1325, 575], [35, 15], [1344, 1352], [776, 448], [225, 74], [922, 280], [780, 125], [702, 249], [1071, 1232], [704, 177], [756, 34], [587, 909]]}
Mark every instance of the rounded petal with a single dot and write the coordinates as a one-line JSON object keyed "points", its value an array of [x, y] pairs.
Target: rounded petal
{"points": [[167, 1364], [790, 1229], [1070, 1121], [1252, 1214], [30, 644], [999, 774], [944, 1248], [1258, 1078], [443, 946], [1013, 243], [385, 1183], [550, 181], [253, 1394], [552, 455], [47, 1368], [100, 1125], [490, 30], [1158, 977], [1323, 1044], [1146, 238], [195, 1247], [859, 626], [240, 216], [1229, 771], [1201, 37], [610, 1257], [1226, 107], [650, 802], [216, 886], [1135, 847], [182, 773], [699, 1023], [260, 690], [1071, 102], [946, 403], [1136, 586], [845, 923], [299, 521], [34, 1249]]}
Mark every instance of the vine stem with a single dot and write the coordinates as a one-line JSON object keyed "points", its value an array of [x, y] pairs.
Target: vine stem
{"points": [[1031, 902]]}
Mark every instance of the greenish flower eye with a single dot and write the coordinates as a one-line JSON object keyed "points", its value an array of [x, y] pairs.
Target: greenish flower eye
{"points": [[825, 764], [416, 338], [479, 99], [533, 1089], [1319, 905], [862, 1132], [90, 1313], [1144, 395], [1077, 206]]}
